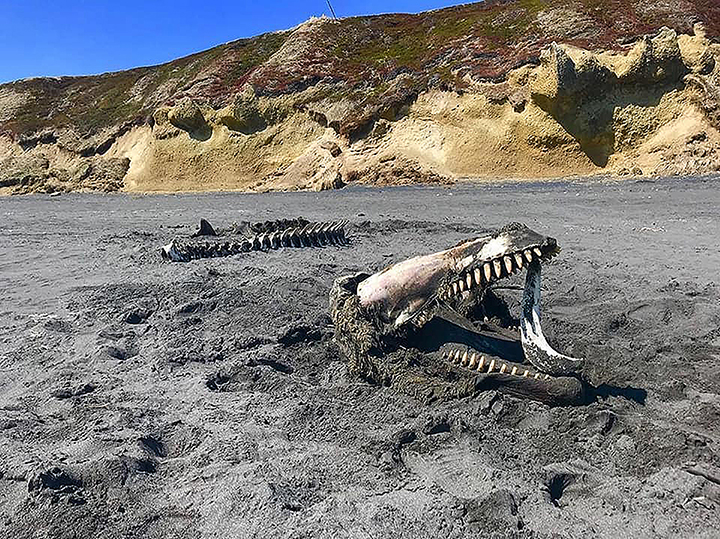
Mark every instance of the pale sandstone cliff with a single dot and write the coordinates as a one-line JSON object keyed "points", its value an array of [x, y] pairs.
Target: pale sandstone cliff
{"points": [[648, 106]]}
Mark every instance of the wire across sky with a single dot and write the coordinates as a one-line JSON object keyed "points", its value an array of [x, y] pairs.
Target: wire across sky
{"points": [[41, 38]]}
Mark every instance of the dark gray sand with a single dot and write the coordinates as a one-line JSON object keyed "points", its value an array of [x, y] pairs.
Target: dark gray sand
{"points": [[207, 399]]}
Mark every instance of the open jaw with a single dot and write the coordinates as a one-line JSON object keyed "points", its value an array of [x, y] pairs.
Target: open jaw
{"points": [[442, 308]]}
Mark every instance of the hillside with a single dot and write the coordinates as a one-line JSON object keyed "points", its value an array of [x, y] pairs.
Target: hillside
{"points": [[525, 88]]}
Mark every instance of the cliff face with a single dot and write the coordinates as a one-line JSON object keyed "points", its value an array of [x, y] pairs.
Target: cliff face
{"points": [[525, 88]]}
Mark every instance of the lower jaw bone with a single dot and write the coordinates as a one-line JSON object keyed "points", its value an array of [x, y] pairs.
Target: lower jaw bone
{"points": [[535, 345]]}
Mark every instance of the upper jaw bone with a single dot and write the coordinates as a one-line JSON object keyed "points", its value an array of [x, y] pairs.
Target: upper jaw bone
{"points": [[537, 350], [400, 292]]}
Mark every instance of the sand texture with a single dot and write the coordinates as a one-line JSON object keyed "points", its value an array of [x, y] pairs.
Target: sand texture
{"points": [[142, 399]]}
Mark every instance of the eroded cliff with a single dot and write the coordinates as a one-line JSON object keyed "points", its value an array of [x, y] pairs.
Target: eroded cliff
{"points": [[526, 88]]}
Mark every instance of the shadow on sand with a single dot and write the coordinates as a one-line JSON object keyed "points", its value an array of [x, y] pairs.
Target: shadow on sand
{"points": [[450, 328]]}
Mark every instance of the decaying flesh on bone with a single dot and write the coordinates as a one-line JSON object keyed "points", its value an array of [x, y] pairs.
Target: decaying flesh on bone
{"points": [[245, 237], [416, 304]]}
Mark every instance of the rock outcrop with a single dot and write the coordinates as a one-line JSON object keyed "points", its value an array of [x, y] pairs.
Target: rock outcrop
{"points": [[489, 90], [33, 173], [706, 82]]}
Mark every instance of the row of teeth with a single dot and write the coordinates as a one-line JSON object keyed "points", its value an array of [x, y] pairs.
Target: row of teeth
{"points": [[511, 328], [494, 270], [421, 319], [477, 362]]}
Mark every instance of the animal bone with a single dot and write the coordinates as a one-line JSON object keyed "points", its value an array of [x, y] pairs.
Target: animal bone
{"points": [[428, 309], [207, 243]]}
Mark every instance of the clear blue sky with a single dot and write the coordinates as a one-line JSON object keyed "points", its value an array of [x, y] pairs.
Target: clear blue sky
{"points": [[71, 37]]}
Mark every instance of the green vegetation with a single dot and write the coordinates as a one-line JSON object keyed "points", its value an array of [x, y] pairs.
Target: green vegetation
{"points": [[91, 103], [355, 58]]}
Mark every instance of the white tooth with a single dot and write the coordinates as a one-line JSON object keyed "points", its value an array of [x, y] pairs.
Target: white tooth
{"points": [[537, 251], [464, 360], [455, 288], [508, 264], [492, 366], [503, 368], [498, 268], [478, 276], [488, 271], [526, 373], [462, 285], [486, 319], [518, 260], [528, 255], [457, 356], [473, 361], [537, 375], [547, 377], [468, 280], [514, 370], [482, 363]]}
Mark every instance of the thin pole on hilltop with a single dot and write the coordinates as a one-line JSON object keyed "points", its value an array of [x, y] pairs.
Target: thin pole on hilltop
{"points": [[331, 9]]}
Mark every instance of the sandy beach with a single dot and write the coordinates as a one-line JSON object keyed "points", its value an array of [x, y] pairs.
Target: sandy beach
{"points": [[141, 398]]}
